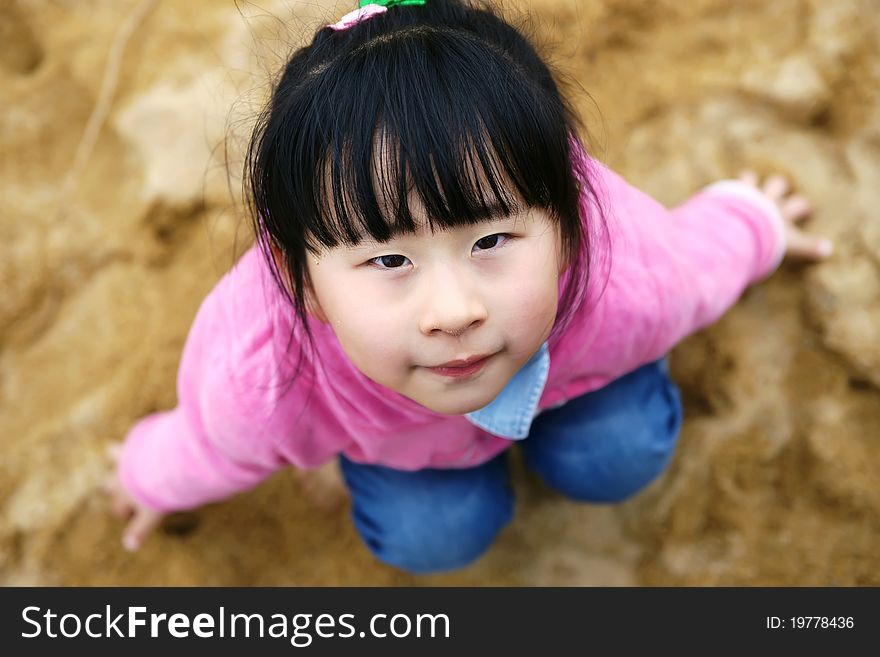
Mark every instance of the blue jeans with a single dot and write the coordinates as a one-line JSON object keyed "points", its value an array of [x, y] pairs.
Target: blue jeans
{"points": [[600, 447]]}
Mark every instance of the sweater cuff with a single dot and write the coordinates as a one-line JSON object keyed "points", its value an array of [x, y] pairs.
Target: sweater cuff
{"points": [[131, 458], [769, 209]]}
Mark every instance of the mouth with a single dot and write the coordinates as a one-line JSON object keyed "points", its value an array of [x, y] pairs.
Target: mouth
{"points": [[462, 367]]}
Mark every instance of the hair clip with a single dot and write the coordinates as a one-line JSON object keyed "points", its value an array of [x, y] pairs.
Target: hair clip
{"points": [[393, 3], [368, 9]]}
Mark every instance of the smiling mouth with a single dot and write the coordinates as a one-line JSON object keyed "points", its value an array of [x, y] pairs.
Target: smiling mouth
{"points": [[469, 368]]}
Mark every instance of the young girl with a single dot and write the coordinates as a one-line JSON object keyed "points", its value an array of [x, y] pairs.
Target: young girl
{"points": [[442, 270]]}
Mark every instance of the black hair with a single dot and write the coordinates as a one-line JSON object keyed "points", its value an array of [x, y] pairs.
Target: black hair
{"points": [[429, 100]]}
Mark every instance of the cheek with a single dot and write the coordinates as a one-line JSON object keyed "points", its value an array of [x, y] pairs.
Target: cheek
{"points": [[526, 314], [367, 328], [530, 292], [537, 304]]}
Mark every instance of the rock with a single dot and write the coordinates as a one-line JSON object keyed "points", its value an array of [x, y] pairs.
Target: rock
{"points": [[794, 86]]}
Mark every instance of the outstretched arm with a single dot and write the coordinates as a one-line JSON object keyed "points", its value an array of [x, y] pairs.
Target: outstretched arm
{"points": [[236, 422], [676, 271]]}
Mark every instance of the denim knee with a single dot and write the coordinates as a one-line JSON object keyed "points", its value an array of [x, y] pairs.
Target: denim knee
{"points": [[429, 521], [608, 444]]}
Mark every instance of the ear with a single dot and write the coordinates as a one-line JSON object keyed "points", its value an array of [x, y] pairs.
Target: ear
{"points": [[279, 265], [313, 307], [276, 256]]}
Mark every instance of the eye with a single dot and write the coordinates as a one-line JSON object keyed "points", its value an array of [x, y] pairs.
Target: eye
{"points": [[388, 261], [491, 241]]}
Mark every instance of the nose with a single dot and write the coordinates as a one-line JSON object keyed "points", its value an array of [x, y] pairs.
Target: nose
{"points": [[451, 304]]}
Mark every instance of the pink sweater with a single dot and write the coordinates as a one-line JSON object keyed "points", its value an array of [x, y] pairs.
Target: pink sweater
{"points": [[671, 273]]}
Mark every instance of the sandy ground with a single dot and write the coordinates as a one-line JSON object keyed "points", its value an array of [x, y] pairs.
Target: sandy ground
{"points": [[119, 121]]}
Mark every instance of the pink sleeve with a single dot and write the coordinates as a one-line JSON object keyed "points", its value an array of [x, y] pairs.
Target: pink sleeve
{"points": [[674, 272], [224, 434]]}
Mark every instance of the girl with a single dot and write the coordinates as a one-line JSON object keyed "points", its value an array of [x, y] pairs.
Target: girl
{"points": [[440, 270]]}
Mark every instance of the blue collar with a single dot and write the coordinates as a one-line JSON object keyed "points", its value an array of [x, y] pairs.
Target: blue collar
{"points": [[510, 414]]}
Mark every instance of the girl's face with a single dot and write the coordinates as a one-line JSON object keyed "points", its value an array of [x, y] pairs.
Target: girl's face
{"points": [[422, 300]]}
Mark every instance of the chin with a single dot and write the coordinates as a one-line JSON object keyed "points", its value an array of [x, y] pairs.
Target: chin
{"points": [[454, 410], [459, 408]]}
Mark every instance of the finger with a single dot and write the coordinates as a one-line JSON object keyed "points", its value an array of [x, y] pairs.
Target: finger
{"points": [[119, 506], [797, 208], [138, 529], [749, 177], [776, 187], [808, 247]]}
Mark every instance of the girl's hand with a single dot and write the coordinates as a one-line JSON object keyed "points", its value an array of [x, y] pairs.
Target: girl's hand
{"points": [[141, 520], [794, 209]]}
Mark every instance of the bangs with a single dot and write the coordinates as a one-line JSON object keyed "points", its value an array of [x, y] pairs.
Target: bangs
{"points": [[464, 183], [386, 126]]}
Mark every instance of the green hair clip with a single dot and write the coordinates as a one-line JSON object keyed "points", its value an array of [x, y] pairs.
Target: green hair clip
{"points": [[391, 3]]}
